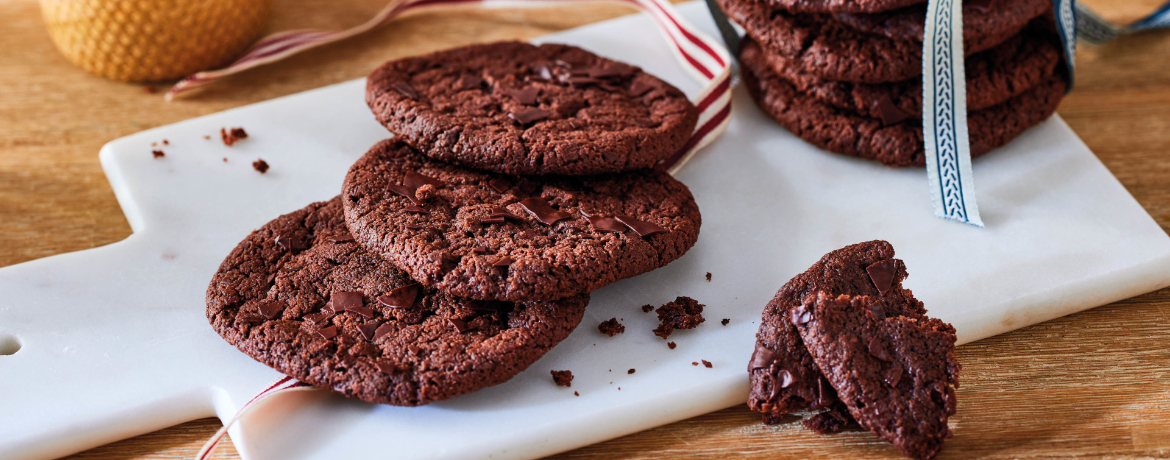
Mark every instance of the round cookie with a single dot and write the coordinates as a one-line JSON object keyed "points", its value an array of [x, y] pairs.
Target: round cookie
{"points": [[301, 296], [993, 77], [981, 20], [822, 46], [521, 109], [898, 144], [486, 236]]}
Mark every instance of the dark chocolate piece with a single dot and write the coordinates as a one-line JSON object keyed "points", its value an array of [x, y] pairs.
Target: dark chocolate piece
{"points": [[344, 300], [500, 184], [639, 88], [366, 312], [540, 209], [526, 96], [415, 180], [882, 274], [503, 262], [369, 329], [459, 325], [606, 224], [327, 332], [401, 297], [470, 82], [890, 113], [642, 228], [405, 90], [529, 115], [273, 309]]}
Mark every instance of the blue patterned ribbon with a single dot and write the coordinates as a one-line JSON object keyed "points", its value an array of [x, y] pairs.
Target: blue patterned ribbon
{"points": [[944, 114], [944, 86]]}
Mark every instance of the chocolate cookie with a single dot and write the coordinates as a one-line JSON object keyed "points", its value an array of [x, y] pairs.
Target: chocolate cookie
{"points": [[301, 296], [487, 236], [981, 19], [521, 109], [842, 6], [823, 46], [993, 77], [895, 374], [784, 378], [898, 143]]}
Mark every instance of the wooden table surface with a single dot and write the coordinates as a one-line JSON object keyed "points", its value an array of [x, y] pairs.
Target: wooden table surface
{"points": [[1094, 384]]}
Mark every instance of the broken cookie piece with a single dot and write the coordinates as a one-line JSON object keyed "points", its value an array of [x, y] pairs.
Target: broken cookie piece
{"points": [[895, 374]]}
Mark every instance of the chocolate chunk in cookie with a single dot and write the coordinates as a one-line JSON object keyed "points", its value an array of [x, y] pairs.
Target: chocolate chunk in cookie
{"points": [[544, 228], [522, 109], [783, 376], [333, 315], [895, 374]]}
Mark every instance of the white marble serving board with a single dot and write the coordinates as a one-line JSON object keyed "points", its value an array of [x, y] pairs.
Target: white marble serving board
{"points": [[113, 341]]}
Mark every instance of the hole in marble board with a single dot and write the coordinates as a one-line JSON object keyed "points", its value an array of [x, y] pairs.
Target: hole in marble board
{"points": [[8, 345]]}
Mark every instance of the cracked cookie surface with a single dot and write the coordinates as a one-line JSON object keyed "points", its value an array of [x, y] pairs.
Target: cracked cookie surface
{"points": [[488, 236], [301, 296], [522, 109]]}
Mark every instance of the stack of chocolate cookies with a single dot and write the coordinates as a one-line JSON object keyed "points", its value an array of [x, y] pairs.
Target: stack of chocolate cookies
{"points": [[519, 179], [845, 75]]}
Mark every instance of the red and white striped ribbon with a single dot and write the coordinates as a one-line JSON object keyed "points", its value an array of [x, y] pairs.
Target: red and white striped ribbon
{"points": [[704, 59], [282, 385]]}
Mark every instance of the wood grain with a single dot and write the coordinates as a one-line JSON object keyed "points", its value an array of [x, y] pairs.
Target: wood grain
{"points": [[1091, 385]]}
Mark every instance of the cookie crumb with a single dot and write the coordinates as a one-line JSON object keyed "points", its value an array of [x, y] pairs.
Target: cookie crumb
{"points": [[206, 137], [225, 159], [158, 153], [671, 345], [232, 136], [706, 363], [647, 308], [576, 393], [682, 313], [725, 321], [631, 371], [563, 378], [166, 142], [694, 363], [708, 277], [611, 327], [260, 165]]}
